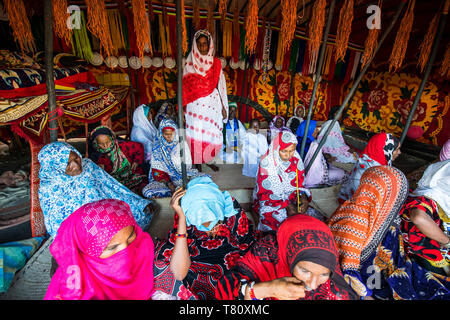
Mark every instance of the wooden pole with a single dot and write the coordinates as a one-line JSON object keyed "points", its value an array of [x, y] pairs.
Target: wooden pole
{"points": [[49, 78], [355, 86], [436, 44], [182, 132], [318, 77]]}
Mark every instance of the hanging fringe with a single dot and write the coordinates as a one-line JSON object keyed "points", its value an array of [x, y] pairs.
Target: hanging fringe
{"points": [[20, 25], [251, 26], [98, 25], [402, 38], [444, 71], [315, 29], [81, 47], [141, 27], [288, 23], [344, 29], [115, 25], [371, 42], [60, 18], [266, 51], [196, 14], [427, 43], [184, 42]]}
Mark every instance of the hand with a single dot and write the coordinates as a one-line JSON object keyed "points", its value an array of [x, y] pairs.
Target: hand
{"points": [[287, 288], [175, 201], [134, 166], [304, 204], [224, 113]]}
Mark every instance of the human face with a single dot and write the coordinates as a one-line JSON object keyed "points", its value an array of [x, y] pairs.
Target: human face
{"points": [[287, 153], [254, 125], [311, 274], [120, 241], [279, 123], [300, 112], [103, 141], [396, 153], [232, 113], [168, 134], [73, 165], [203, 45]]}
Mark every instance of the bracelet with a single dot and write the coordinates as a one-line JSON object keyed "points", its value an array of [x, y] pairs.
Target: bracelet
{"points": [[180, 235], [252, 292]]}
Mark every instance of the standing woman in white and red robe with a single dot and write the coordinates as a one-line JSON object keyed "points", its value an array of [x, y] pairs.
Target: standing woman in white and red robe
{"points": [[205, 98]]}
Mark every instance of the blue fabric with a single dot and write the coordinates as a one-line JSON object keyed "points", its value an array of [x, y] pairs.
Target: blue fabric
{"points": [[309, 136], [61, 194], [204, 202], [13, 256], [400, 278]]}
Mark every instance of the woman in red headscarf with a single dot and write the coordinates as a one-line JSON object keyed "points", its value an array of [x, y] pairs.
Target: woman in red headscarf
{"points": [[299, 262], [102, 254]]}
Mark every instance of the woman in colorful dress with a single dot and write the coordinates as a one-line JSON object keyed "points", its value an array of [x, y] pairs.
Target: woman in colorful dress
{"points": [[300, 261], [205, 98], [426, 220], [381, 150], [276, 126], [102, 254], [210, 233], [279, 190], [122, 159], [67, 182], [144, 131], [366, 229], [296, 119], [165, 168]]}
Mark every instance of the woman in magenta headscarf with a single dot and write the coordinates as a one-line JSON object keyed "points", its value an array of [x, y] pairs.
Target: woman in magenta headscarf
{"points": [[102, 254]]}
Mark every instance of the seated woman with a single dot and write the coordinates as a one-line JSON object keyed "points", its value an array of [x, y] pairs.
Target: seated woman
{"points": [[371, 250], [426, 220], [67, 182], [165, 168], [335, 145], [102, 254], [279, 190], [300, 261], [210, 232], [144, 131], [121, 159], [381, 150], [276, 126], [296, 119], [321, 171]]}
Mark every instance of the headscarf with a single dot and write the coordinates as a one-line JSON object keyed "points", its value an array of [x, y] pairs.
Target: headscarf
{"points": [[445, 151], [82, 274], [335, 144], [143, 131], [309, 136], [381, 148], [295, 121], [274, 130], [204, 202], [196, 62], [61, 194], [121, 166], [360, 223], [301, 238], [162, 114], [435, 184]]}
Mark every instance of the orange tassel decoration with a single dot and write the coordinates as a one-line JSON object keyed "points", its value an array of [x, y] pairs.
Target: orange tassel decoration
{"points": [[444, 71], [401, 40], [315, 29], [371, 43], [60, 16], [427, 43], [344, 29], [251, 26], [20, 25], [288, 23], [141, 27], [98, 25], [196, 14], [184, 43]]}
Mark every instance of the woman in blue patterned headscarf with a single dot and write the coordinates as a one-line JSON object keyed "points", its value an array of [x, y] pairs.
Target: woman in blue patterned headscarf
{"points": [[67, 182]]}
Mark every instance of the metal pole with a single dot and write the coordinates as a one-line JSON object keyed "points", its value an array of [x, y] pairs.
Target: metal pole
{"points": [[318, 71], [436, 43], [49, 78], [182, 132], [354, 87]]}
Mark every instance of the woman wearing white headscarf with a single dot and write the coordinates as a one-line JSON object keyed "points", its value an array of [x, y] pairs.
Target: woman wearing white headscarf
{"points": [[143, 131], [205, 98]]}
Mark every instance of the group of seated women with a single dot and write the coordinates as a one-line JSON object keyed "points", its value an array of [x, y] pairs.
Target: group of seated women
{"points": [[383, 242]]}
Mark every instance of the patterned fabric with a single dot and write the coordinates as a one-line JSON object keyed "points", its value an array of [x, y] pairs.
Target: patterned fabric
{"points": [[163, 114], [60, 194], [299, 238], [82, 274], [277, 183], [390, 274], [166, 163], [143, 131], [210, 256], [378, 152], [359, 224], [335, 144], [445, 151], [120, 159], [418, 244]]}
